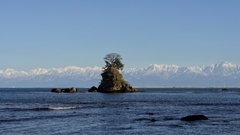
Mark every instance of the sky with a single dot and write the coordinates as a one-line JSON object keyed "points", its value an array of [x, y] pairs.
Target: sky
{"points": [[60, 33]]}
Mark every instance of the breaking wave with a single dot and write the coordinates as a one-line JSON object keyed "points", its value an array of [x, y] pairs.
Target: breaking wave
{"points": [[42, 108]]}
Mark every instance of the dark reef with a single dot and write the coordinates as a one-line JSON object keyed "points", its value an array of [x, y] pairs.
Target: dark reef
{"points": [[67, 90]]}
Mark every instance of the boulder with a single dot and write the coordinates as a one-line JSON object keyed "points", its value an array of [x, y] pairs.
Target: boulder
{"points": [[93, 89], [73, 90], [194, 118], [56, 90], [67, 90]]}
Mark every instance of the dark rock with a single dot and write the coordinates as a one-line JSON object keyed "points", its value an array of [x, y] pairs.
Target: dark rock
{"points": [[194, 118], [93, 89], [67, 90], [153, 120], [73, 90], [56, 90], [113, 82]]}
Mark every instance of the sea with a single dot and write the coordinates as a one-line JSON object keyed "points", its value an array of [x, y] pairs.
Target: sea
{"points": [[153, 111]]}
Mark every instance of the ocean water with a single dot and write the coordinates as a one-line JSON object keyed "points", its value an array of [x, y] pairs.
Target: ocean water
{"points": [[152, 111]]}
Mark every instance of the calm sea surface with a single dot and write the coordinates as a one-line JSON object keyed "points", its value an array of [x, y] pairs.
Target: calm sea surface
{"points": [[38, 111]]}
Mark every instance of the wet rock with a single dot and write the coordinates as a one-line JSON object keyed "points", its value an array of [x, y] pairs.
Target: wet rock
{"points": [[56, 90], [67, 90], [73, 90], [93, 89], [194, 118]]}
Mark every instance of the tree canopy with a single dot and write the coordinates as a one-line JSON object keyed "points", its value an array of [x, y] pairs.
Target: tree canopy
{"points": [[113, 60]]}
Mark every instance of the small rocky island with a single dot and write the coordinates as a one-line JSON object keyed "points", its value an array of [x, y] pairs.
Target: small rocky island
{"points": [[112, 80]]}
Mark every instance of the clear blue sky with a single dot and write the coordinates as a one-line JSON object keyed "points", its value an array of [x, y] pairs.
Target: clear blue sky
{"points": [[59, 33]]}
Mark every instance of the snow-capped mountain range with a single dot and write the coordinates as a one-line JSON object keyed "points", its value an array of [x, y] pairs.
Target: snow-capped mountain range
{"points": [[153, 75]]}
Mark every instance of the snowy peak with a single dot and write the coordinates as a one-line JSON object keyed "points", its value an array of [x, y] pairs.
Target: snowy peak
{"points": [[225, 64], [11, 73], [66, 71], [224, 68], [38, 71], [221, 68], [154, 74], [163, 67], [196, 70], [154, 69]]}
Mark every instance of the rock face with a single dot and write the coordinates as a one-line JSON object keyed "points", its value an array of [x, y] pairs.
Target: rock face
{"points": [[113, 82], [68, 90], [194, 118]]}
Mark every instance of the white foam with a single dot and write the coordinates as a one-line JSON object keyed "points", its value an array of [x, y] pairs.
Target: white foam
{"points": [[61, 108]]}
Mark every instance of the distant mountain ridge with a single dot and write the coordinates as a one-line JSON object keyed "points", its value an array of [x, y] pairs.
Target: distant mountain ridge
{"points": [[152, 75]]}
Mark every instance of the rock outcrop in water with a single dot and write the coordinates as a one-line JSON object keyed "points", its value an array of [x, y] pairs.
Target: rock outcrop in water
{"points": [[113, 82], [194, 118], [93, 89], [67, 90]]}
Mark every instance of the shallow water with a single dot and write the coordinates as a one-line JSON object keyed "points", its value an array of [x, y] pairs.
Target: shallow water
{"points": [[154, 111]]}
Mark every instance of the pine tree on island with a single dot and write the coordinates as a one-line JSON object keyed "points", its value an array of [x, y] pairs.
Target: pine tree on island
{"points": [[113, 60]]}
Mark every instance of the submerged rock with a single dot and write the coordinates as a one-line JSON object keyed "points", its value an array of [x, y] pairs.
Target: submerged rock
{"points": [[194, 118], [153, 120]]}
